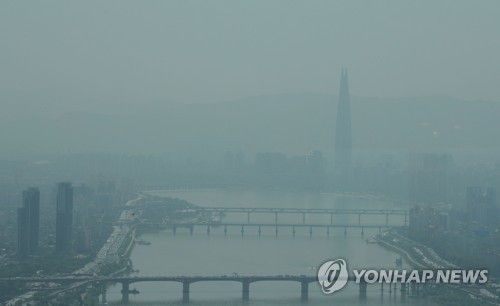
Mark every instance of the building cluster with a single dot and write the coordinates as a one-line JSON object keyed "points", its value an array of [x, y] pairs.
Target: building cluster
{"points": [[64, 217], [457, 234], [428, 223], [480, 216], [481, 207], [28, 220], [429, 177]]}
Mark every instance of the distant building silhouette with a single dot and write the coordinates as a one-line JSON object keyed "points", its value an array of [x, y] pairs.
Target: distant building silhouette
{"points": [[23, 247], [315, 162], [429, 174], [28, 223], [343, 134], [482, 207], [64, 217]]}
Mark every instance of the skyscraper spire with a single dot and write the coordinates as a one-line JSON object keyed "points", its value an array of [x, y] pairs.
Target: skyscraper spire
{"points": [[343, 134]]}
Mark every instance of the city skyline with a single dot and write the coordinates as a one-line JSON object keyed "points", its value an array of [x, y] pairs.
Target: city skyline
{"points": [[234, 152]]}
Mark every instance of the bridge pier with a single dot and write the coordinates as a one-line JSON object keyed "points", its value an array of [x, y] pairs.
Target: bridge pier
{"points": [[185, 291], [208, 230], [345, 231], [362, 231], [248, 217], [328, 231], [245, 290], [362, 290], [403, 288], [125, 292], [304, 290], [260, 231], [225, 230], [293, 231], [404, 292], [104, 300], [310, 231], [242, 230]]}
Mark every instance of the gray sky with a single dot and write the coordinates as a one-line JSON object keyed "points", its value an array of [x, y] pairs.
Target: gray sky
{"points": [[204, 51]]}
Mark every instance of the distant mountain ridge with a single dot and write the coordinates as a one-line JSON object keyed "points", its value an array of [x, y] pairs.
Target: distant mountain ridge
{"points": [[291, 123]]}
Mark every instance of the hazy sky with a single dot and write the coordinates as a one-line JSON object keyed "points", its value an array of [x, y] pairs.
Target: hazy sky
{"points": [[203, 51]]}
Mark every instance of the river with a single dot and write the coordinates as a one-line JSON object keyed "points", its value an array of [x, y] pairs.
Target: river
{"points": [[217, 254]]}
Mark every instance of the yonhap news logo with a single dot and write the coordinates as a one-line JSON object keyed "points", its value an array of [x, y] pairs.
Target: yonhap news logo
{"points": [[333, 275]]}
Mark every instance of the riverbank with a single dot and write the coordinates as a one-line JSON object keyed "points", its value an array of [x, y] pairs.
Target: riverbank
{"points": [[111, 259], [420, 256]]}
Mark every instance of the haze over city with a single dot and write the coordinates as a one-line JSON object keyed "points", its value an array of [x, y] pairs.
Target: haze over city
{"points": [[220, 145]]}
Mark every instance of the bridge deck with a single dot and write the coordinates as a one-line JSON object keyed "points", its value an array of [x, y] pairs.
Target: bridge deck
{"points": [[191, 279], [242, 224], [401, 212]]}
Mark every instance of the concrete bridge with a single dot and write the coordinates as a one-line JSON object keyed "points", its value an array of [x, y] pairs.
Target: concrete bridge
{"points": [[101, 282], [186, 281], [306, 211], [245, 281], [276, 226]]}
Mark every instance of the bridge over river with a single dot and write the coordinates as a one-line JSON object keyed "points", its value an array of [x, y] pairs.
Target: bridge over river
{"points": [[325, 228], [186, 281], [307, 211], [101, 282], [74, 282]]}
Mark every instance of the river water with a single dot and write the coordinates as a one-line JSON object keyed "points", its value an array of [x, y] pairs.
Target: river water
{"points": [[218, 254]]}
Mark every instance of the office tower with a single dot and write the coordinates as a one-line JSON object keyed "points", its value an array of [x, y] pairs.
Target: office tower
{"points": [[343, 134], [23, 246], [64, 217], [490, 201], [429, 176], [482, 207], [28, 222], [474, 198]]}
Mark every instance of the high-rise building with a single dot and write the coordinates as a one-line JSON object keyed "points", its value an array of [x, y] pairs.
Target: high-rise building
{"points": [[429, 176], [482, 207], [64, 218], [490, 199], [343, 134], [474, 198], [28, 222], [23, 245]]}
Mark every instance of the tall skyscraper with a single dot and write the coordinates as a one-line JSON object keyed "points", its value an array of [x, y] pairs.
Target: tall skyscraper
{"points": [[64, 218], [28, 222], [23, 244], [343, 134]]}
